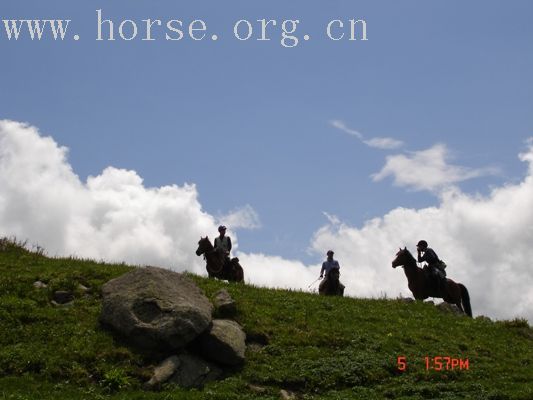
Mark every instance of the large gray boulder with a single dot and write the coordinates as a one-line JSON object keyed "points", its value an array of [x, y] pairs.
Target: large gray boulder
{"points": [[224, 342], [155, 308]]}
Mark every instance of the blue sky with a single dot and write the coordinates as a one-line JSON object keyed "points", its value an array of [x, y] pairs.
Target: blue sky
{"points": [[250, 123]]}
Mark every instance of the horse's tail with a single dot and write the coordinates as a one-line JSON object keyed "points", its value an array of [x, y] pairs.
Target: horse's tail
{"points": [[465, 299]]}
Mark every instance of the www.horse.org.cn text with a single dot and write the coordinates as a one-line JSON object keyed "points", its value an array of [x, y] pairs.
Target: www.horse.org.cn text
{"points": [[287, 32]]}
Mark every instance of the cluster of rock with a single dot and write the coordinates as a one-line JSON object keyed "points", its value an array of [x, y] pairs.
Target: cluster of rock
{"points": [[61, 298], [165, 312]]}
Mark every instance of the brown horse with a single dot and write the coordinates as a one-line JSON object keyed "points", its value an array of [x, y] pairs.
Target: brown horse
{"points": [[218, 265], [421, 287], [331, 286]]}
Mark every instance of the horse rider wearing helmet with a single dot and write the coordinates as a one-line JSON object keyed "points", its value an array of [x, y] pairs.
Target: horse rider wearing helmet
{"points": [[222, 241], [434, 266]]}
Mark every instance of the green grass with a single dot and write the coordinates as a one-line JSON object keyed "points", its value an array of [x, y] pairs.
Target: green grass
{"points": [[319, 348]]}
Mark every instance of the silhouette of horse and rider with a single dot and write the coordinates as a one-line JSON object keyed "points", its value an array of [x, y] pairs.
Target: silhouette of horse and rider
{"points": [[431, 281], [218, 263], [330, 285]]}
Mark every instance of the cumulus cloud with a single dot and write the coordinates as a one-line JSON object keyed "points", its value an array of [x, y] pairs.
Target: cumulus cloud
{"points": [[485, 240], [427, 170], [245, 217], [111, 216], [384, 143], [277, 272]]}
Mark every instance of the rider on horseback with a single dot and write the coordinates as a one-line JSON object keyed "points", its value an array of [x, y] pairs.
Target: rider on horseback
{"points": [[434, 268], [327, 266], [223, 242]]}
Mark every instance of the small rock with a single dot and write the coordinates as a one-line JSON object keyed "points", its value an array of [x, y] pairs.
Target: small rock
{"points": [[195, 372], [224, 304], [83, 288], [286, 395], [257, 389], [39, 285], [224, 342], [163, 372], [63, 297], [64, 305], [447, 307], [254, 347], [407, 299]]}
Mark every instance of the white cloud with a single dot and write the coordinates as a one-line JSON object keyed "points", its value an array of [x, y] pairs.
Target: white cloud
{"points": [[277, 272], [112, 216], [384, 143], [486, 241], [427, 170], [342, 126], [241, 218]]}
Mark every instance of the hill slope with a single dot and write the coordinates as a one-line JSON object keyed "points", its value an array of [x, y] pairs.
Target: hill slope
{"points": [[327, 348]]}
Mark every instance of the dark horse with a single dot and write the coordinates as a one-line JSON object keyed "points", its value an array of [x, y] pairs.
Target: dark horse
{"points": [[217, 264], [331, 286], [421, 287]]}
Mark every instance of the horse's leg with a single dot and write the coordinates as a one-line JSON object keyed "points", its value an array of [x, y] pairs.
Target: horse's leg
{"points": [[453, 295], [340, 290], [457, 303], [322, 287], [231, 273]]}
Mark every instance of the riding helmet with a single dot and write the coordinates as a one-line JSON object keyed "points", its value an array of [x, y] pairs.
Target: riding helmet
{"points": [[422, 244]]}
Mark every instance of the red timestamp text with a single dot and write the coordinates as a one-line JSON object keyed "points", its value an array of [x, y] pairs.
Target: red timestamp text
{"points": [[437, 363]]}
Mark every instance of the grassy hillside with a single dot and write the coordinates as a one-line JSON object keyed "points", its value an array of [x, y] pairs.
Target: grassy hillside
{"points": [[318, 348]]}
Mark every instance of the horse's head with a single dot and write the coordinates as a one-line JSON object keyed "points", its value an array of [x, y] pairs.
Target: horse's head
{"points": [[204, 245], [403, 257]]}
